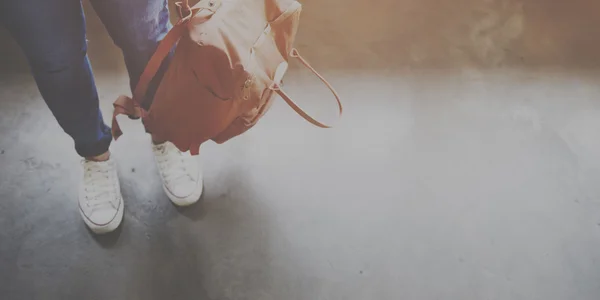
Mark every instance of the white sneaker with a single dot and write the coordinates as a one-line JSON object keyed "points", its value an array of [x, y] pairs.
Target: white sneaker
{"points": [[100, 200], [181, 185]]}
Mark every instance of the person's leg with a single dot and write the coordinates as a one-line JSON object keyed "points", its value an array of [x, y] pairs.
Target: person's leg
{"points": [[52, 36], [137, 27]]}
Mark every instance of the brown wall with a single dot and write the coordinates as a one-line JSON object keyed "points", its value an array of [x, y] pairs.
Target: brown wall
{"points": [[422, 34], [447, 33]]}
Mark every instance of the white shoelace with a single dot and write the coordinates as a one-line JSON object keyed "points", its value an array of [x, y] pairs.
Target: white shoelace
{"points": [[99, 185], [171, 164]]}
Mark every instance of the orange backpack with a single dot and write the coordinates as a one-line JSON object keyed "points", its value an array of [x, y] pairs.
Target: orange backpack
{"points": [[229, 59]]}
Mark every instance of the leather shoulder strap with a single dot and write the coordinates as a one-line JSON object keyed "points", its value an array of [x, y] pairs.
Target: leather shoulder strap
{"points": [[156, 60], [132, 106], [168, 42]]}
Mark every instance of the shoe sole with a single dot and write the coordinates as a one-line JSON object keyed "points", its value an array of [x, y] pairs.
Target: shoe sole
{"points": [[108, 227], [189, 200]]}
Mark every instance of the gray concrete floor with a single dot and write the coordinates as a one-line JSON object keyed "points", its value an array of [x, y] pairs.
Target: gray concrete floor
{"points": [[467, 166]]}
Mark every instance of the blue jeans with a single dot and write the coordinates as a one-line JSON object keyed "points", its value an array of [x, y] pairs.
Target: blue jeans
{"points": [[52, 34]]}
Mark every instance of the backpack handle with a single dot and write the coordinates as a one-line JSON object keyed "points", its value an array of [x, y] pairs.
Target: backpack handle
{"points": [[186, 11], [275, 87]]}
